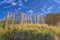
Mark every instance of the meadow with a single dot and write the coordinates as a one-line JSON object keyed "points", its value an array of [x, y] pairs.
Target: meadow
{"points": [[30, 32]]}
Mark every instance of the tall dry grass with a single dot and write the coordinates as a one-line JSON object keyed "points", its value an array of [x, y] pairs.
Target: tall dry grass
{"points": [[29, 32]]}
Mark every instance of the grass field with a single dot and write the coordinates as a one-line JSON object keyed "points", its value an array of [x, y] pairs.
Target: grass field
{"points": [[29, 32]]}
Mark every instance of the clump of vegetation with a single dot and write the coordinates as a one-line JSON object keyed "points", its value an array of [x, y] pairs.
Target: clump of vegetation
{"points": [[27, 32], [27, 35]]}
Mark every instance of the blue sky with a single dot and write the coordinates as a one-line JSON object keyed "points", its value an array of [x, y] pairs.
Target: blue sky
{"points": [[42, 7]]}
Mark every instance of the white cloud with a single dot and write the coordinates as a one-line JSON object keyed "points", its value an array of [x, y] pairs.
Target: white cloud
{"points": [[8, 1], [25, 0], [20, 4], [7, 6], [30, 11], [57, 1], [59, 7], [15, 10], [49, 8], [43, 9], [1, 2], [13, 3], [20, 1], [46, 9], [19, 8]]}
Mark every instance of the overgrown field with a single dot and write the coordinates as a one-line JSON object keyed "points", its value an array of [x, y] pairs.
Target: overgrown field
{"points": [[30, 32]]}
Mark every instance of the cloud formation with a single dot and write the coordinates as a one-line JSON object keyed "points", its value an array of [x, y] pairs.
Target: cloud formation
{"points": [[30, 11], [8, 1], [25, 0], [57, 1], [12, 3], [46, 10], [1, 2]]}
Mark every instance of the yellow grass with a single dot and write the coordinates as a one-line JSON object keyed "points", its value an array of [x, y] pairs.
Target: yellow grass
{"points": [[33, 27]]}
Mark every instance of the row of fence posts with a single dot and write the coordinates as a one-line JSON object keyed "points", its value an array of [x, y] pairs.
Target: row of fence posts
{"points": [[22, 18]]}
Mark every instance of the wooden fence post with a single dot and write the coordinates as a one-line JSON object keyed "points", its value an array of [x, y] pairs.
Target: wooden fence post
{"points": [[36, 18], [21, 17]]}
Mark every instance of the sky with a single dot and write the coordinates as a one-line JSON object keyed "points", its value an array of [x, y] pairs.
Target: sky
{"points": [[42, 7]]}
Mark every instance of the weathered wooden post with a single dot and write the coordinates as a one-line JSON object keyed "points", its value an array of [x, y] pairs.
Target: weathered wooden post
{"points": [[24, 19], [36, 18], [29, 19], [17, 18], [42, 19], [21, 17], [8, 19], [13, 18]]}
